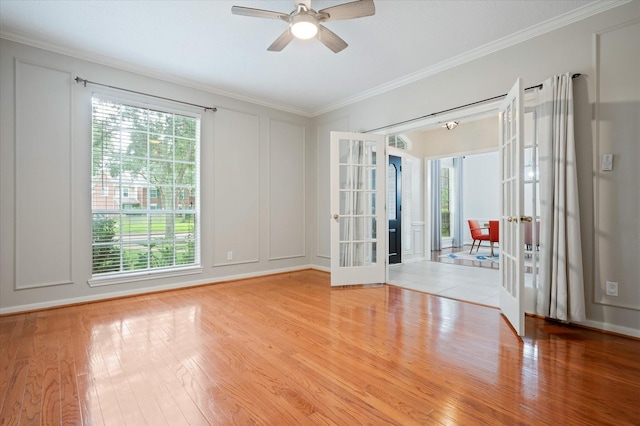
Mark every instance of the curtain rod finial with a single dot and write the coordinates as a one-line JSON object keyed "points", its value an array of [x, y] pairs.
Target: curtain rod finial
{"points": [[82, 80]]}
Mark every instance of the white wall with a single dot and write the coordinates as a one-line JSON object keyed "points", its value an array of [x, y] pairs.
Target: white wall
{"points": [[470, 136], [617, 192], [570, 48], [480, 189], [323, 217], [43, 93], [255, 185]]}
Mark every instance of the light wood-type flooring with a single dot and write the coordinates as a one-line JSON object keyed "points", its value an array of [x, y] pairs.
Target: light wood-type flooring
{"points": [[290, 350]]}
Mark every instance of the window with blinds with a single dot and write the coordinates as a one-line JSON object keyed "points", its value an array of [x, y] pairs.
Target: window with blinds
{"points": [[145, 189]]}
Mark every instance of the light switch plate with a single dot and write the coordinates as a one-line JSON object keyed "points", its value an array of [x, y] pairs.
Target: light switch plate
{"points": [[607, 162]]}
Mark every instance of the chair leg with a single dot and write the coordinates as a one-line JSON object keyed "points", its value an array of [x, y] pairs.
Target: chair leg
{"points": [[491, 248], [478, 248], [472, 244]]}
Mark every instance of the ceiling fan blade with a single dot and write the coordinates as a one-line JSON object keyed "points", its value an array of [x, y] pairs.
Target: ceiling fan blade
{"points": [[259, 13], [330, 39], [281, 42], [355, 9]]}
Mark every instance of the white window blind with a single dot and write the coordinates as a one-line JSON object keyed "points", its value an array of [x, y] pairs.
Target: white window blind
{"points": [[145, 175]]}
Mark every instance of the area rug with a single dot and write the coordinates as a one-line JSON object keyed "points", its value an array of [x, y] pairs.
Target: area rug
{"points": [[479, 256], [482, 256]]}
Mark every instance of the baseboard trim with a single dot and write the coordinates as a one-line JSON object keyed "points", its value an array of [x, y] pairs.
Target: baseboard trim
{"points": [[594, 325], [20, 309], [609, 328]]}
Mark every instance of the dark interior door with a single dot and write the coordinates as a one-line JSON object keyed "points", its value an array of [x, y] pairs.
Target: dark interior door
{"points": [[394, 201]]}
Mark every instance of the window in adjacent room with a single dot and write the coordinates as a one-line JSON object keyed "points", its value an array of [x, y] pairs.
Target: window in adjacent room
{"points": [[448, 189], [150, 156], [398, 141]]}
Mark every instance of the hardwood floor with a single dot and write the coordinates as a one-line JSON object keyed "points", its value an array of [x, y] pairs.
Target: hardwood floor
{"points": [[289, 349]]}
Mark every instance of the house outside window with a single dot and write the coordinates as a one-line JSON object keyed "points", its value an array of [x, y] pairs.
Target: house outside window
{"points": [[143, 150]]}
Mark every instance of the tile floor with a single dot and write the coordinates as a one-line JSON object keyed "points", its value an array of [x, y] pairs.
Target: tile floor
{"points": [[468, 283]]}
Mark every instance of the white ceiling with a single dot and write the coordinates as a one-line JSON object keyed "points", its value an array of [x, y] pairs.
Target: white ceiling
{"points": [[201, 43]]}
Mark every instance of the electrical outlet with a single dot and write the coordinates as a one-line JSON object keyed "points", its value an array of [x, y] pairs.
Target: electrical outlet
{"points": [[612, 288], [229, 255]]}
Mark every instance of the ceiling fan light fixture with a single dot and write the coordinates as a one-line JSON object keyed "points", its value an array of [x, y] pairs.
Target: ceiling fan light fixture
{"points": [[305, 23], [304, 27]]}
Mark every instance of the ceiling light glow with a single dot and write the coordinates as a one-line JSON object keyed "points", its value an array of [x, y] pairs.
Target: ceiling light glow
{"points": [[304, 27]]}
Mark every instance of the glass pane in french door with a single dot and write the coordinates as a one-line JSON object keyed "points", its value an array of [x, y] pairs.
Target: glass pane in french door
{"points": [[357, 186], [531, 194]]}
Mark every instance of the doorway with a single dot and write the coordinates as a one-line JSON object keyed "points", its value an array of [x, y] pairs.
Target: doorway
{"points": [[394, 205], [437, 272], [476, 141]]}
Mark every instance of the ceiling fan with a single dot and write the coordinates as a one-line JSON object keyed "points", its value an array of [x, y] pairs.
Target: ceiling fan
{"points": [[304, 22]]}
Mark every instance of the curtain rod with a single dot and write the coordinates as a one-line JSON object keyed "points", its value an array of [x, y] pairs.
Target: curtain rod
{"points": [[85, 82], [433, 114]]}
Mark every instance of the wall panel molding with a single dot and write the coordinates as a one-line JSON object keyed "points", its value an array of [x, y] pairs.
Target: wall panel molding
{"points": [[236, 183], [43, 176], [287, 200], [617, 131], [323, 200]]}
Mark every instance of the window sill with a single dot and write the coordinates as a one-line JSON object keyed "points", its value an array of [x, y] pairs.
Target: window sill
{"points": [[143, 276]]}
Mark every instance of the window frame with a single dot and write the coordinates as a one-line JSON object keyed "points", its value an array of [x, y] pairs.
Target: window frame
{"points": [[124, 276]]}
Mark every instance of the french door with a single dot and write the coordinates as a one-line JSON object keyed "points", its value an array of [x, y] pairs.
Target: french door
{"points": [[358, 164], [512, 207]]}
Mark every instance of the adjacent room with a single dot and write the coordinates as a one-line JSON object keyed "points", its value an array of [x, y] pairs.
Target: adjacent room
{"points": [[467, 189], [268, 212], [468, 192]]}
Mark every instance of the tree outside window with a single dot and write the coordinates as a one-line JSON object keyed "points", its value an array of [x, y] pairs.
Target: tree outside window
{"points": [[144, 151]]}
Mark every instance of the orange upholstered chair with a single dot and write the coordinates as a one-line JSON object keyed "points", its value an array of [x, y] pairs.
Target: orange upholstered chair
{"points": [[477, 234], [494, 233]]}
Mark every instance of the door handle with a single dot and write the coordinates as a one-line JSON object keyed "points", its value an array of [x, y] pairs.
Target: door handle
{"points": [[336, 216], [521, 219]]}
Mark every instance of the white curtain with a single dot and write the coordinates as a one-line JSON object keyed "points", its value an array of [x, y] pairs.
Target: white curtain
{"points": [[561, 286], [458, 227], [351, 204], [436, 208]]}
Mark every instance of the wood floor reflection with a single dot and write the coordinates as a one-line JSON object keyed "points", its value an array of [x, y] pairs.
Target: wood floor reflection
{"points": [[289, 349]]}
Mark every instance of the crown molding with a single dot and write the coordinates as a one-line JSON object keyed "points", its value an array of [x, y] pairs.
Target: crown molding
{"points": [[145, 71], [560, 21]]}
